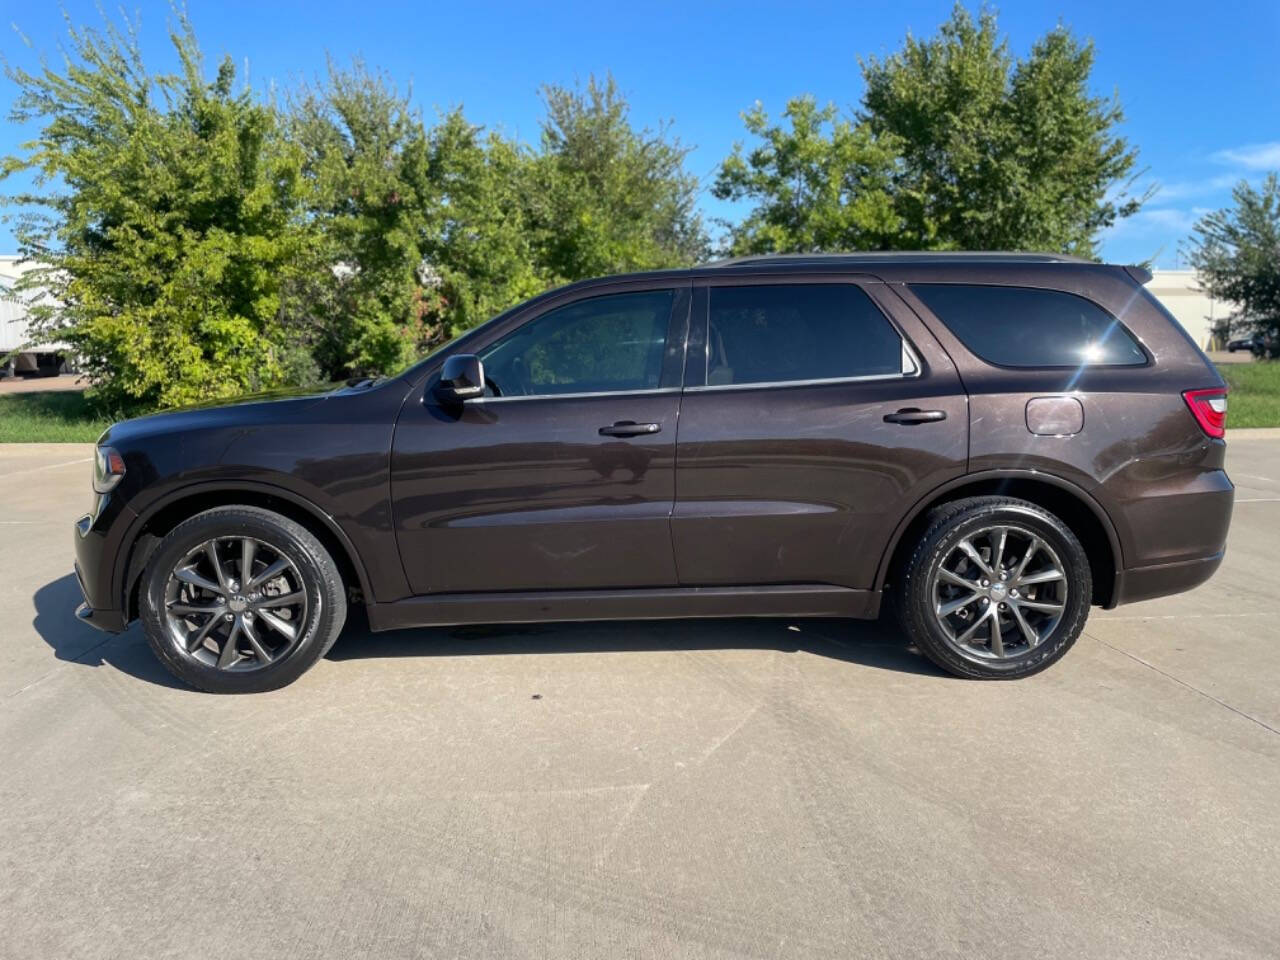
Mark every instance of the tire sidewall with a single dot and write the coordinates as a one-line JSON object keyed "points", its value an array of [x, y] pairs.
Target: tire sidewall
{"points": [[1075, 565], [282, 535]]}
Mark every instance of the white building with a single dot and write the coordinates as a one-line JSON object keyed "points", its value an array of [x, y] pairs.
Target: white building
{"points": [[1181, 295], [14, 334]]}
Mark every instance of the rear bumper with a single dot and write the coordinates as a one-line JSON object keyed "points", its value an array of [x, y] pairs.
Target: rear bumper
{"points": [[1162, 579]]}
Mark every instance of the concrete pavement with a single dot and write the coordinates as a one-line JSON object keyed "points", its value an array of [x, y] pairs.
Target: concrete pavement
{"points": [[747, 788]]}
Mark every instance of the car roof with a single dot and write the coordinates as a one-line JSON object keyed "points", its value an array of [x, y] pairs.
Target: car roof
{"points": [[913, 265]]}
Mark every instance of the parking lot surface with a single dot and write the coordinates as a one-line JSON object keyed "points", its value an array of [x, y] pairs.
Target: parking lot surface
{"points": [[689, 789]]}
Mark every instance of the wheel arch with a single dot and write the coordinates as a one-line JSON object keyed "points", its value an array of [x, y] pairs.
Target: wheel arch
{"points": [[162, 516], [1076, 508]]}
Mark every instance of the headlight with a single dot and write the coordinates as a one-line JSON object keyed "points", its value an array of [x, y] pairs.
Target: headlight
{"points": [[108, 469]]}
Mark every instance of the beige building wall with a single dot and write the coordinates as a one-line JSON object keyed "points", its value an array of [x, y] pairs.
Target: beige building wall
{"points": [[1181, 295]]}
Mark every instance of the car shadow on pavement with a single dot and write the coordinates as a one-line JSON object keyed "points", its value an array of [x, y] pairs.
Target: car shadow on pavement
{"points": [[77, 642], [877, 644]]}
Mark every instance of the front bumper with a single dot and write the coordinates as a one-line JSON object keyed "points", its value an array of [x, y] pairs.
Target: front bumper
{"points": [[99, 540]]}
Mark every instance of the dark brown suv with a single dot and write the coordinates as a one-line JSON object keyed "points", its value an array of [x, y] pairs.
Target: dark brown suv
{"points": [[991, 442]]}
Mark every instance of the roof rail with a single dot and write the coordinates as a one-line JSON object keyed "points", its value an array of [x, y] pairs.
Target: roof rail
{"points": [[906, 256]]}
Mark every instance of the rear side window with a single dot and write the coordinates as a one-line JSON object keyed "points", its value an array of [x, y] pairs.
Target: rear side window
{"points": [[1025, 327], [771, 334]]}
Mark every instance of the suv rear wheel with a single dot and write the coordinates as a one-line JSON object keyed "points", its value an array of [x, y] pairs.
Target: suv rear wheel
{"points": [[241, 600], [997, 588]]}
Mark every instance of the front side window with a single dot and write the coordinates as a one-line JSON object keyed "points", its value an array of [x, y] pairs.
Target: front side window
{"points": [[797, 332], [1027, 327], [605, 344]]}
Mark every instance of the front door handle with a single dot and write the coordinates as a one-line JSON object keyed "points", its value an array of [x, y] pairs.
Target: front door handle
{"points": [[629, 428], [915, 415]]}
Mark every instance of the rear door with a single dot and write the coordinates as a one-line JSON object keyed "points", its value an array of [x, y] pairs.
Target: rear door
{"points": [[817, 410]]}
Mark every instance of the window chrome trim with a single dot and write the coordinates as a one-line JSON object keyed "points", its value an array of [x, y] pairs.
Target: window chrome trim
{"points": [[772, 384], [912, 368], [656, 391]]}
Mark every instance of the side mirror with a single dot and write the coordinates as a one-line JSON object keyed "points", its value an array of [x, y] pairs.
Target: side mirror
{"points": [[462, 378]]}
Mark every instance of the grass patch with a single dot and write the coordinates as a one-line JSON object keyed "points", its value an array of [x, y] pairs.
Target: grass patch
{"points": [[1255, 393], [58, 416]]}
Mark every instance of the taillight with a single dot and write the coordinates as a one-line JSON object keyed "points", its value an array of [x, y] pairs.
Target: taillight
{"points": [[1209, 407]]}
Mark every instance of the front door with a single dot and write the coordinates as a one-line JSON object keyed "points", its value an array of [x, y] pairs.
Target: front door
{"points": [[817, 412], [563, 475]]}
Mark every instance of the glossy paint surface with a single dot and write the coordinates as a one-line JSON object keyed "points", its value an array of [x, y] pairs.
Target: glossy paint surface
{"points": [[801, 488]]}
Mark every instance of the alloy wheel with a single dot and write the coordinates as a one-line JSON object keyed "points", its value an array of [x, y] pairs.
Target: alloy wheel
{"points": [[999, 592], [235, 603]]}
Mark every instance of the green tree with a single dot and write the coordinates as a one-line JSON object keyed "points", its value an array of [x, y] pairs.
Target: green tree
{"points": [[165, 215], [604, 197], [363, 307], [974, 148], [824, 183], [1236, 254], [480, 246]]}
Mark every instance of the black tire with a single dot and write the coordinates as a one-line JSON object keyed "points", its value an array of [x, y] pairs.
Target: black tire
{"points": [[324, 609], [945, 528]]}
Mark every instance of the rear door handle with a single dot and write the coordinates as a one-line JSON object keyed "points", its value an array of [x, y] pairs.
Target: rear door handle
{"points": [[915, 415], [629, 428]]}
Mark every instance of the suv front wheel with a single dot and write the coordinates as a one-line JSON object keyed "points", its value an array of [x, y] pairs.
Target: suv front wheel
{"points": [[997, 588], [241, 600]]}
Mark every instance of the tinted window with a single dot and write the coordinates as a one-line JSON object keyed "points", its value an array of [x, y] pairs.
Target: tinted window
{"points": [[765, 334], [603, 344], [1021, 327]]}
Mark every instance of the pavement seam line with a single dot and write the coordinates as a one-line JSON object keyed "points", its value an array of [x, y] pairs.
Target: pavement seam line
{"points": [[49, 466], [1208, 696], [58, 668]]}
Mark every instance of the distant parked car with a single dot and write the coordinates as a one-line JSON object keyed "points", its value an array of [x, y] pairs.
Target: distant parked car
{"points": [[1254, 344], [989, 444]]}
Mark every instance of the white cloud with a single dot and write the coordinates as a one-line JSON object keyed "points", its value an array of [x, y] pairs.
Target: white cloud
{"points": [[1182, 189], [1255, 156]]}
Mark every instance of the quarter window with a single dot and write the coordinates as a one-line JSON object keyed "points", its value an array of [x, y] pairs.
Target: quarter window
{"points": [[790, 332], [605, 344], [1025, 327]]}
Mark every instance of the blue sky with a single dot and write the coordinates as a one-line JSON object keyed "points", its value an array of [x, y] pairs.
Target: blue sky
{"points": [[1198, 82]]}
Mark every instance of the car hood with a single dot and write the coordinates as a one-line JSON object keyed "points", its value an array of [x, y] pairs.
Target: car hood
{"points": [[267, 406]]}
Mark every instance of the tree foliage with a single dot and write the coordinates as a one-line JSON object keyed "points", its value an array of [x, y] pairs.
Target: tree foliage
{"points": [[606, 197], [1236, 254], [957, 145], [165, 214], [823, 183]]}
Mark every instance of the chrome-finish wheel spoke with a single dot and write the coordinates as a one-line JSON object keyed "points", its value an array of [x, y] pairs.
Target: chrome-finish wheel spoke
{"points": [[282, 627], [196, 609], [227, 656], [1042, 576], [284, 600], [215, 609], [248, 548], [1032, 549], [956, 580], [985, 612], [1042, 607], [951, 606], [189, 575], [1028, 633], [971, 552], [973, 627], [270, 573], [998, 555], [198, 637], [251, 635], [211, 551]]}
